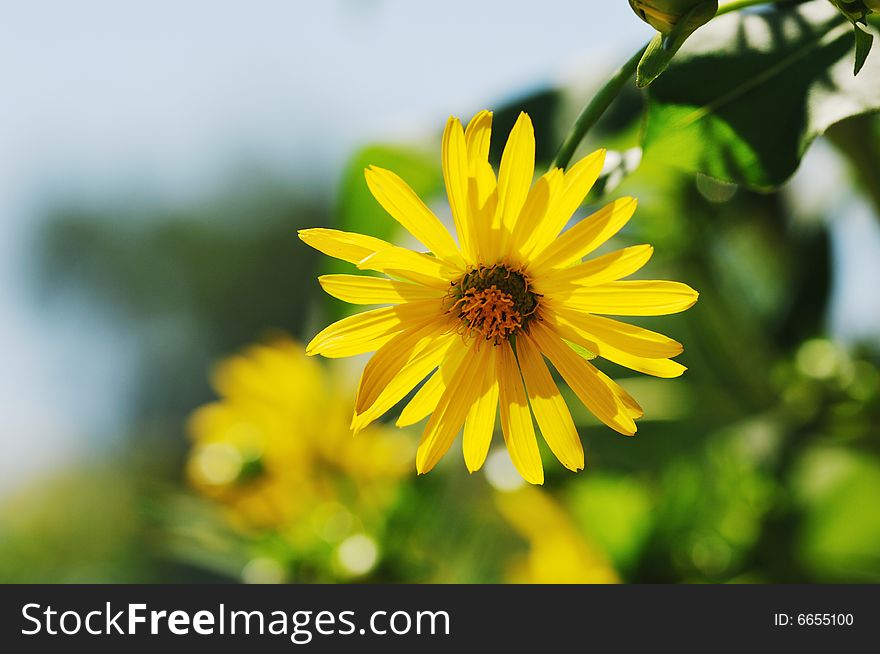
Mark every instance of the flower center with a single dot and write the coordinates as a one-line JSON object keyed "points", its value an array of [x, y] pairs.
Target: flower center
{"points": [[493, 302]]}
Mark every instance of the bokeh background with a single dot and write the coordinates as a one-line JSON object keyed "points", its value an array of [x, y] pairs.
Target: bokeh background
{"points": [[159, 420]]}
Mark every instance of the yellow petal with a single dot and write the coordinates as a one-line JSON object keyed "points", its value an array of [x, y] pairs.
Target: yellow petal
{"points": [[584, 237], [428, 396], [516, 418], [477, 137], [480, 422], [454, 157], [358, 289], [370, 330], [593, 388], [397, 368], [347, 246], [577, 184], [448, 417], [666, 368], [549, 408], [516, 172], [482, 205], [535, 207], [607, 268], [632, 298], [414, 266], [407, 208], [633, 409], [634, 340]]}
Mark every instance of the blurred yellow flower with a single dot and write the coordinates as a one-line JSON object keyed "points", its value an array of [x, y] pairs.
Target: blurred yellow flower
{"points": [[484, 312], [558, 552], [277, 452]]}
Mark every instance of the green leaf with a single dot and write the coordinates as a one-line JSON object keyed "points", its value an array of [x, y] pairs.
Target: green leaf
{"points": [[663, 47], [864, 40], [748, 94]]}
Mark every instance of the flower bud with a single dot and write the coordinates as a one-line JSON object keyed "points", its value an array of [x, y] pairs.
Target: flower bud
{"points": [[856, 10], [664, 15]]}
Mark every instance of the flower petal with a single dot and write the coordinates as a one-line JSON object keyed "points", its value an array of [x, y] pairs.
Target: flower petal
{"points": [[516, 172], [482, 205], [450, 414], [347, 246], [607, 268], [407, 208], [593, 388], [634, 340], [397, 368], [584, 237], [414, 266], [578, 181], [480, 422], [632, 298], [549, 408], [454, 158], [516, 418], [425, 401], [477, 137], [359, 289], [535, 208], [370, 330], [666, 368]]}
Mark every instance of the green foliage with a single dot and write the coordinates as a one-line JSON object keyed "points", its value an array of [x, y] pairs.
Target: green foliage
{"points": [[864, 41], [748, 94]]}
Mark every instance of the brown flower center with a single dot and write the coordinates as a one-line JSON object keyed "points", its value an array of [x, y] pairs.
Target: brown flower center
{"points": [[493, 302]]}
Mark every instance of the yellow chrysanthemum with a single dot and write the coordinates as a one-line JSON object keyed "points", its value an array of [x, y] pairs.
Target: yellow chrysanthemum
{"points": [[478, 317], [276, 447]]}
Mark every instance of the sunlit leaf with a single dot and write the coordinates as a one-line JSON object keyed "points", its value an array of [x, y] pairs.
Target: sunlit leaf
{"points": [[748, 94]]}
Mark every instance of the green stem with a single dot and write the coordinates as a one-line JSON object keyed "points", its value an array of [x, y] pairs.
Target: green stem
{"points": [[597, 107]]}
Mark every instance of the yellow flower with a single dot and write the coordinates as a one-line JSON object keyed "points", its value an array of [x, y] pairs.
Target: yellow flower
{"points": [[478, 317], [276, 447], [558, 552]]}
